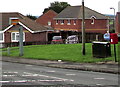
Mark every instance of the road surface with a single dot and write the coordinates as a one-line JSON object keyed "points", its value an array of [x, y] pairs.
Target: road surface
{"points": [[26, 74]]}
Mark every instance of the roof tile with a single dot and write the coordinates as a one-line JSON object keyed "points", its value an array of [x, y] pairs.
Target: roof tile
{"points": [[23, 19], [76, 12]]}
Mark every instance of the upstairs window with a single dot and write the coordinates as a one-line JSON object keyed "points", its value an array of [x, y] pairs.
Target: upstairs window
{"points": [[74, 22], [68, 22], [49, 23], [93, 19], [57, 21], [62, 22]]}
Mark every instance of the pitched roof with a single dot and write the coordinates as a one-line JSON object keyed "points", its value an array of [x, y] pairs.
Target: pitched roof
{"points": [[47, 12], [23, 19], [72, 12]]}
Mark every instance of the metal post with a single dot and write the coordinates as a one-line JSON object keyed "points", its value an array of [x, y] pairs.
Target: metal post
{"points": [[115, 52], [21, 41], [8, 50], [114, 19], [83, 28]]}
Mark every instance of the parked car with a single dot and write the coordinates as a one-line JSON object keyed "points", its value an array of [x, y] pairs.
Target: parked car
{"points": [[57, 40], [72, 39]]}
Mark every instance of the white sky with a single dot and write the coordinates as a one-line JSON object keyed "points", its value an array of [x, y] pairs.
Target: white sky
{"points": [[36, 7]]}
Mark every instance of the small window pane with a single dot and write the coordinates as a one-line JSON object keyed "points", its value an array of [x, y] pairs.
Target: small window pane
{"points": [[74, 22], [68, 22], [13, 36], [62, 21], [1, 36], [49, 23], [17, 36], [57, 21]]}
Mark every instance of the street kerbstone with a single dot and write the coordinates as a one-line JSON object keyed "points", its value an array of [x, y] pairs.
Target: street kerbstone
{"points": [[106, 67]]}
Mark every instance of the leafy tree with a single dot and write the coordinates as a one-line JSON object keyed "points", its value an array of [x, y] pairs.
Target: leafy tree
{"points": [[57, 6], [31, 17]]}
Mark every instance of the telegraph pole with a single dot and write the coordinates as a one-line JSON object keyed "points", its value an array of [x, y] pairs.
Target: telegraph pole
{"points": [[21, 41], [83, 28], [114, 18]]}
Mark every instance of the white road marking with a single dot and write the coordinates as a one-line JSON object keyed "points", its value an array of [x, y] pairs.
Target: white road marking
{"points": [[24, 81], [99, 78], [10, 72], [4, 81], [98, 84], [9, 75], [70, 74], [51, 71], [52, 77], [26, 74]]}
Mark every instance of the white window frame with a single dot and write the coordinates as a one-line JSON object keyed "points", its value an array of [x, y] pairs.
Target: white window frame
{"points": [[68, 22], [2, 38], [93, 19], [49, 23], [57, 21], [74, 22], [16, 38], [62, 22]]}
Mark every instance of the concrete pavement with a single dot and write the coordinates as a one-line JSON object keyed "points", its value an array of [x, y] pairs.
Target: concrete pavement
{"points": [[106, 67]]}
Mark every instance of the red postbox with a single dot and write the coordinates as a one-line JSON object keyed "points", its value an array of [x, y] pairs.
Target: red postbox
{"points": [[113, 38]]}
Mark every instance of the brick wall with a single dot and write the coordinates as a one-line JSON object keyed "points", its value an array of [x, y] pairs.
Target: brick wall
{"points": [[29, 37], [118, 23], [99, 26], [48, 16], [7, 37], [39, 37]]}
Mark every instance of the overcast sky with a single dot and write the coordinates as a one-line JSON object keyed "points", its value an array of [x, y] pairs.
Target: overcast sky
{"points": [[36, 7]]}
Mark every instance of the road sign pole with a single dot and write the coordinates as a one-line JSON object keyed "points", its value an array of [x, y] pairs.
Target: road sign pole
{"points": [[115, 53], [21, 41]]}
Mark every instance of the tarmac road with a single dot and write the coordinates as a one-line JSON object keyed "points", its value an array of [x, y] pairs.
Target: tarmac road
{"points": [[27, 74]]}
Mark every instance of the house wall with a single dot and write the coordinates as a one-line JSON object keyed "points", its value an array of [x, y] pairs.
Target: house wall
{"points": [[118, 23], [29, 37], [99, 26], [48, 16], [66, 26], [7, 37], [35, 37]]}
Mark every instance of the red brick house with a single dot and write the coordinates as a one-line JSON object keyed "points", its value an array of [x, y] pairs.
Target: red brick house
{"points": [[70, 19], [118, 24], [32, 31], [47, 18]]}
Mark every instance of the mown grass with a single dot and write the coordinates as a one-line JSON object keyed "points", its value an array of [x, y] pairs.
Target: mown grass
{"points": [[64, 52]]}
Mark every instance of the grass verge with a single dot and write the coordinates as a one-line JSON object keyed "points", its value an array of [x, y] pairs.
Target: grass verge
{"points": [[64, 52]]}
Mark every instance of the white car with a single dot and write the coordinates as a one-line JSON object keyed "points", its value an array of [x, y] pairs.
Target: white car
{"points": [[72, 39]]}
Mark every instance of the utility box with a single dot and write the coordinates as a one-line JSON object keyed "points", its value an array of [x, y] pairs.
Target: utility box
{"points": [[114, 38], [101, 49]]}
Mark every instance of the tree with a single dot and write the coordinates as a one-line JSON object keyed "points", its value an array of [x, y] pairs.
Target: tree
{"points": [[31, 17], [57, 6]]}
